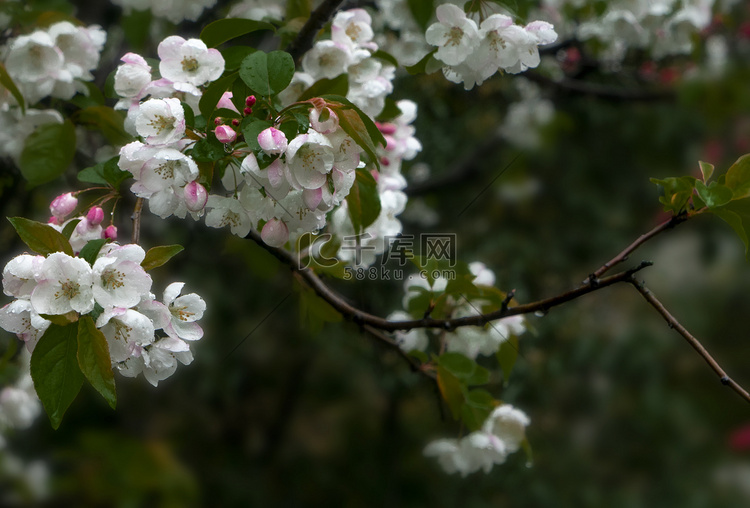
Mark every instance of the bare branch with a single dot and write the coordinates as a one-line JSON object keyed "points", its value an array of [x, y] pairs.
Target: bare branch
{"points": [[622, 256], [695, 343], [318, 18], [137, 220]]}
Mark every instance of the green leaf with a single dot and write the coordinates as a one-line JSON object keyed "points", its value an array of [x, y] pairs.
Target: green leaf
{"points": [[223, 30], [386, 57], [390, 111], [62, 319], [507, 354], [357, 125], [479, 404], [136, 26], [422, 11], [298, 9], [69, 227], [738, 177], [48, 152], [715, 194], [157, 256], [422, 66], [7, 82], [213, 93], [314, 311], [41, 238], [677, 192], [105, 173], [105, 120], [234, 55], [464, 368], [267, 73], [451, 389], [54, 369], [707, 170], [336, 86], [91, 250], [251, 127], [208, 149], [363, 200], [94, 360]]}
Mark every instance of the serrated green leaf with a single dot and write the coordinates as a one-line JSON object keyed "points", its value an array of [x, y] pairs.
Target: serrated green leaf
{"points": [[507, 354], [336, 86], [94, 360], [91, 250], [208, 149], [105, 120], [738, 177], [267, 73], [41, 238], [223, 30], [707, 170], [54, 369], [213, 93], [677, 192], [251, 127], [714, 195], [157, 256], [363, 200], [451, 390], [7, 82], [48, 152]]}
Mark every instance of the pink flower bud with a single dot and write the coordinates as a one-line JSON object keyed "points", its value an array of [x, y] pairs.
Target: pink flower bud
{"points": [[272, 141], [324, 120], [248, 111], [218, 120], [54, 220], [225, 134], [63, 205], [195, 196], [110, 233], [95, 215], [250, 101], [386, 128], [275, 233], [235, 122], [226, 102]]}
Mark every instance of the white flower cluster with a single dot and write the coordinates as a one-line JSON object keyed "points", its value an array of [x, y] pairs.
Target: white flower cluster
{"points": [[349, 51], [398, 33], [163, 174], [117, 289], [470, 341], [472, 54], [501, 434], [52, 62], [524, 119], [175, 11], [19, 405], [309, 176], [400, 145]]}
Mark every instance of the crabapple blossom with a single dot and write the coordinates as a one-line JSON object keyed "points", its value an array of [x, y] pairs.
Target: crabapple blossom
{"points": [[63, 205], [19, 317], [408, 340], [119, 279], [184, 311], [196, 196], [455, 35], [189, 61], [309, 158], [272, 141], [132, 76], [327, 59], [228, 212], [225, 134], [95, 215], [161, 121], [275, 233], [20, 275], [353, 28], [65, 285], [35, 63], [110, 233], [127, 332]]}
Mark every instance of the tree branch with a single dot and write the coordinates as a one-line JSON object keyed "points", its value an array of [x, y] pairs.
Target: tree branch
{"points": [[695, 343], [622, 256], [601, 91], [363, 318], [318, 18], [136, 217]]}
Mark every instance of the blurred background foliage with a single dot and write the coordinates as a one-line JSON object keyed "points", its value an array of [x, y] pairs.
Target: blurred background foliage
{"points": [[623, 412]]}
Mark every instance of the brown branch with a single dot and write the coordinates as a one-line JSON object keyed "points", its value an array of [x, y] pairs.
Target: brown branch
{"points": [[413, 362], [695, 343], [318, 18], [622, 256], [137, 220], [364, 318]]}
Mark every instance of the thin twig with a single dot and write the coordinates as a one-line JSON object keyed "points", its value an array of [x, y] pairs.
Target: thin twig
{"points": [[413, 362], [137, 220], [695, 343], [318, 18], [363, 318], [622, 256]]}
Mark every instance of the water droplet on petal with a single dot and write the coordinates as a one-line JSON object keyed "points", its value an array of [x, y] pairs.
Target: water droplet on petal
{"points": [[540, 313]]}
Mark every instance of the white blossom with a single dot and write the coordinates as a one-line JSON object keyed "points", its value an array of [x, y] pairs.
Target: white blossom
{"points": [[65, 284], [189, 61]]}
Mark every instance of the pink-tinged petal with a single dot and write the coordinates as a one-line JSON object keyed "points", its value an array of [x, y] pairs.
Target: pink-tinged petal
{"points": [[226, 102], [275, 172], [275, 233], [195, 196], [312, 197]]}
